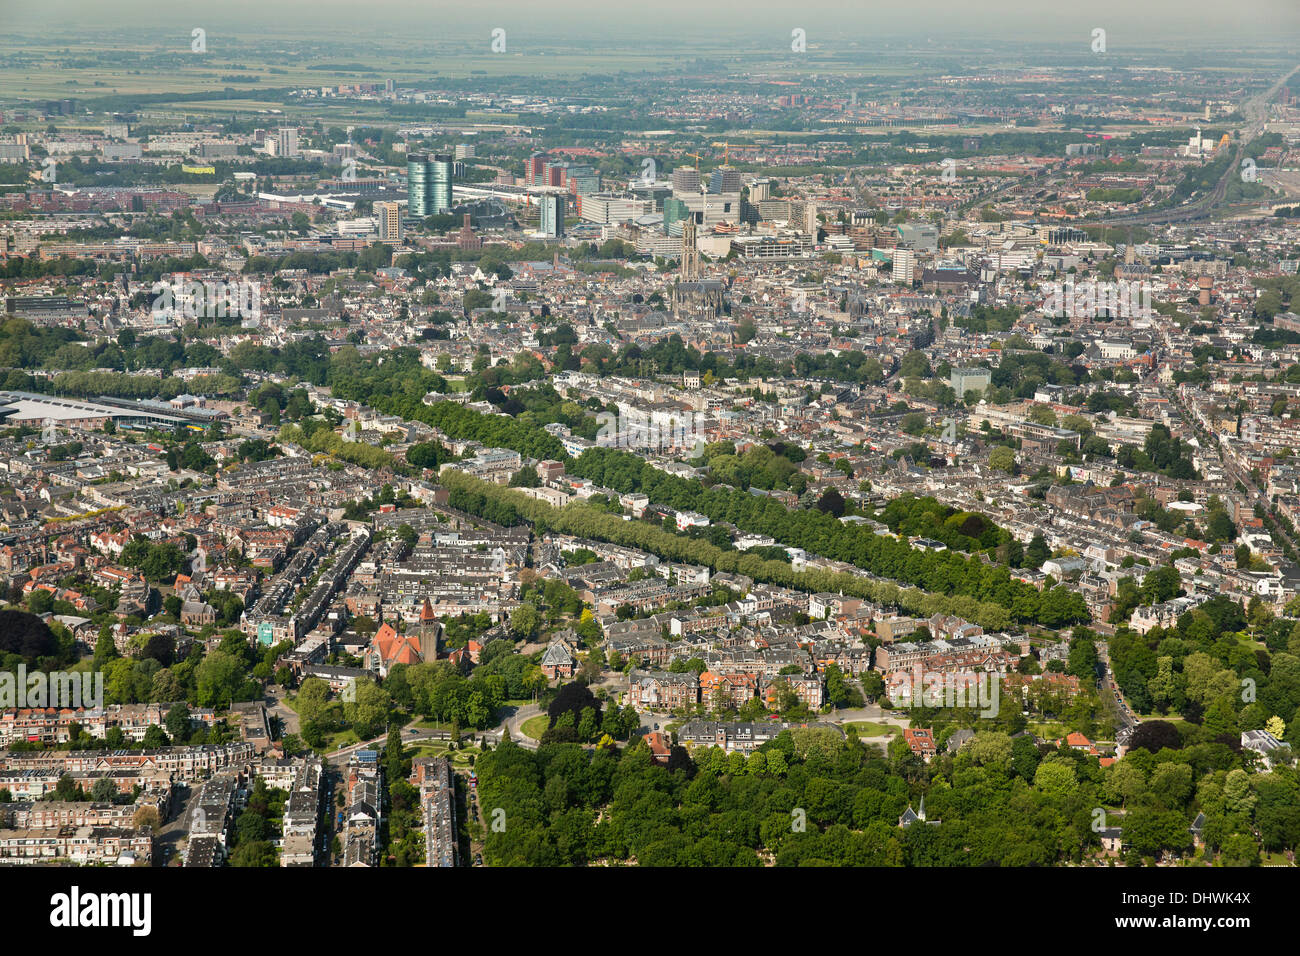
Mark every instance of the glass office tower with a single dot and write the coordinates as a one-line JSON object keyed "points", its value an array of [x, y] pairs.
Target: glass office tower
{"points": [[417, 185], [439, 179]]}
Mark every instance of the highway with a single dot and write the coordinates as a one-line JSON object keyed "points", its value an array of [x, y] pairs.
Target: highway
{"points": [[1256, 113]]}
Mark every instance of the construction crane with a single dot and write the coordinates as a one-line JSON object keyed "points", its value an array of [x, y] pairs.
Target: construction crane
{"points": [[726, 152], [697, 160]]}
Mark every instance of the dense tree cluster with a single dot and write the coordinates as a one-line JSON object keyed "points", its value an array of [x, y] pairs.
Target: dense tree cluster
{"points": [[812, 798], [1161, 453], [1057, 605], [821, 533], [1204, 670]]}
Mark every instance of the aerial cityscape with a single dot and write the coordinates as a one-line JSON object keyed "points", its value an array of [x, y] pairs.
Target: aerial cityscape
{"points": [[576, 438]]}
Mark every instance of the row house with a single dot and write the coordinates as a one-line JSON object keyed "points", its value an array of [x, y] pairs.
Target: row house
{"points": [[86, 846], [642, 647], [663, 690], [824, 605], [112, 543], [697, 621], [810, 691], [728, 691], [950, 627], [177, 763], [850, 659], [49, 814]]}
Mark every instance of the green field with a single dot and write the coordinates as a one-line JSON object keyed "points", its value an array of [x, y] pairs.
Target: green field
{"points": [[534, 727], [872, 728]]}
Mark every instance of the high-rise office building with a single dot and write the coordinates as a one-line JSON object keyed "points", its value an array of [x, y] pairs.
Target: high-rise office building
{"points": [[554, 174], [904, 268], [711, 209], [534, 169], [440, 176], [724, 180], [388, 219], [288, 142], [810, 219], [552, 219], [417, 185], [675, 213], [686, 179], [465, 150]]}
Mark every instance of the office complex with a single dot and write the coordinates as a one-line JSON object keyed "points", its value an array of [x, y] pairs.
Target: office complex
{"points": [[675, 212]]}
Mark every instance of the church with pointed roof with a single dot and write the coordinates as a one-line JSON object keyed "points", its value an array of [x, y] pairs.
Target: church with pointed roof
{"points": [[911, 816], [388, 647]]}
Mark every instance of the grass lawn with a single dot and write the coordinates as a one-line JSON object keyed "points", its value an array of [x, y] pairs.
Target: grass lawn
{"points": [[872, 728], [534, 727], [1047, 729], [459, 758], [428, 723], [344, 738], [1178, 722]]}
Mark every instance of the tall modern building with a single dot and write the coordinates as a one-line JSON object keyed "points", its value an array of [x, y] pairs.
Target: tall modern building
{"points": [[417, 185], [675, 213], [725, 180], [904, 267], [534, 169], [288, 141], [440, 176], [428, 184], [388, 221], [613, 208], [686, 179], [552, 223]]}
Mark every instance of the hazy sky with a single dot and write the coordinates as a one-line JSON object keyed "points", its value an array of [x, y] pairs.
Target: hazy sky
{"points": [[1177, 23]]}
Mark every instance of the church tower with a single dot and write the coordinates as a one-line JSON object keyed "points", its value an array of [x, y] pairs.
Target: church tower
{"points": [[690, 250]]}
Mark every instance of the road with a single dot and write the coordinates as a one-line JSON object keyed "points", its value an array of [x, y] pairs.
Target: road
{"points": [[515, 724], [177, 826], [1128, 719], [276, 707]]}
